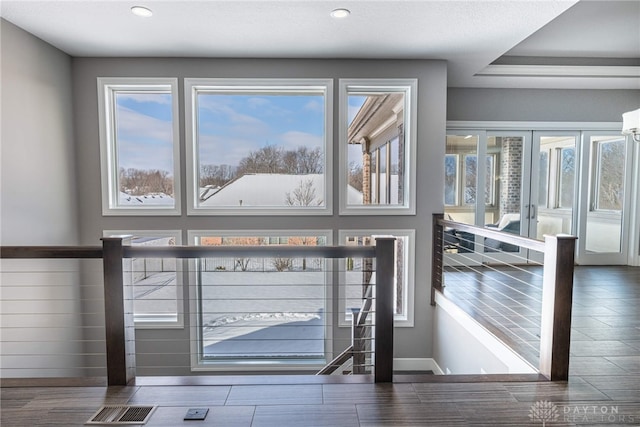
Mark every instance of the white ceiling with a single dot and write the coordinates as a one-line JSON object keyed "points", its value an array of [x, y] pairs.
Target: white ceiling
{"points": [[469, 34]]}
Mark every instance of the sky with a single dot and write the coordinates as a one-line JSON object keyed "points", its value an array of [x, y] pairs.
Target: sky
{"points": [[230, 126], [144, 132]]}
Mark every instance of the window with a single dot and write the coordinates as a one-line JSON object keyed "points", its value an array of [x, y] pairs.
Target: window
{"points": [[356, 272], [543, 179], [566, 174], [450, 179], [139, 146], [261, 311], [259, 147], [609, 174], [377, 147], [157, 282], [469, 164]]}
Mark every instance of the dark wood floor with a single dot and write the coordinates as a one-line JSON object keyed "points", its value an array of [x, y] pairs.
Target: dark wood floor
{"points": [[603, 389]]}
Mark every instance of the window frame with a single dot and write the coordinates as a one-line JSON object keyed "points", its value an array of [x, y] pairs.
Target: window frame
{"points": [[107, 88], [159, 321], [405, 319], [192, 86], [596, 172], [559, 177], [456, 182], [461, 179], [410, 89], [199, 363]]}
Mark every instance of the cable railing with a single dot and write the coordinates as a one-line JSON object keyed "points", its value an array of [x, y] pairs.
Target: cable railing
{"points": [[519, 289], [281, 305], [52, 317]]}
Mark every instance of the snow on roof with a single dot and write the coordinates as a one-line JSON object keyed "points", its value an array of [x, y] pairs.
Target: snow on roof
{"points": [[145, 200], [264, 189], [268, 190]]}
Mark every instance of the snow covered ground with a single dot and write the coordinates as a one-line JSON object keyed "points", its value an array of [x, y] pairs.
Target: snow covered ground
{"points": [[259, 314], [276, 314]]}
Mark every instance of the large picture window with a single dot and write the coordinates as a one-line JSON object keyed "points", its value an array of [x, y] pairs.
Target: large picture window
{"points": [[357, 272], [377, 147], [261, 310], [139, 146], [156, 282], [259, 146]]}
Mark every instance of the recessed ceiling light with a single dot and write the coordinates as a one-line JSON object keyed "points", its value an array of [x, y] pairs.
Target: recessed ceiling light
{"points": [[141, 11], [340, 13]]}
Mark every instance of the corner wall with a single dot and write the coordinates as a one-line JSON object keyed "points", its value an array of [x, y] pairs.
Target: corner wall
{"points": [[38, 207]]}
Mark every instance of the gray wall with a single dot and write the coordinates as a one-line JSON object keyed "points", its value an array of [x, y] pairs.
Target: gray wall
{"points": [[39, 207], [471, 104], [38, 157], [410, 342]]}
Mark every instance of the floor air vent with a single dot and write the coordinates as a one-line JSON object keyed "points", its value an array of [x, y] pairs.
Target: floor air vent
{"points": [[121, 415]]}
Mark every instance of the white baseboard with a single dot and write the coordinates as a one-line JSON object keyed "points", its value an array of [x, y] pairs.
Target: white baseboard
{"points": [[416, 364]]}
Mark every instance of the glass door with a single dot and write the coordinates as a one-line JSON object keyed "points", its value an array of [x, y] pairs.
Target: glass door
{"points": [[492, 192], [507, 184], [462, 200], [606, 160], [554, 189], [537, 183]]}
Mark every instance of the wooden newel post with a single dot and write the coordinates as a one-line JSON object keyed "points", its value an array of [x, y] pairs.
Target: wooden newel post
{"points": [[385, 268], [118, 309], [557, 296]]}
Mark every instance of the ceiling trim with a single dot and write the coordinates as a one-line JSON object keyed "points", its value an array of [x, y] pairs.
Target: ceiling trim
{"points": [[527, 126], [603, 71]]}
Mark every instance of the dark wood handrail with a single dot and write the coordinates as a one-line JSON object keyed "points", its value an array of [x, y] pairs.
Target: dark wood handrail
{"points": [[248, 251], [514, 239], [35, 252], [178, 251]]}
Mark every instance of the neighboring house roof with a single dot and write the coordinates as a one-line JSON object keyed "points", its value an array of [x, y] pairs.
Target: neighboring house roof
{"points": [[264, 189], [147, 199], [208, 191]]}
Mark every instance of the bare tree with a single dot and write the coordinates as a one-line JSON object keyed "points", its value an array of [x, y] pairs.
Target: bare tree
{"points": [[268, 159], [138, 182], [611, 182], [355, 176], [302, 161], [303, 195], [274, 159], [242, 263], [216, 175]]}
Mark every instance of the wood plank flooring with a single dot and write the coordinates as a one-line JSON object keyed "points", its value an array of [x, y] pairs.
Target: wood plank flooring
{"points": [[603, 389]]}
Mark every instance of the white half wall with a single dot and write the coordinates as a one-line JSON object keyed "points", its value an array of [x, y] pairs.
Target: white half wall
{"points": [[462, 347]]}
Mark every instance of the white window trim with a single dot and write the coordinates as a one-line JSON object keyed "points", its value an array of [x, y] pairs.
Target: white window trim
{"points": [[191, 88], [199, 364], [400, 320], [159, 321], [410, 89], [109, 167]]}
